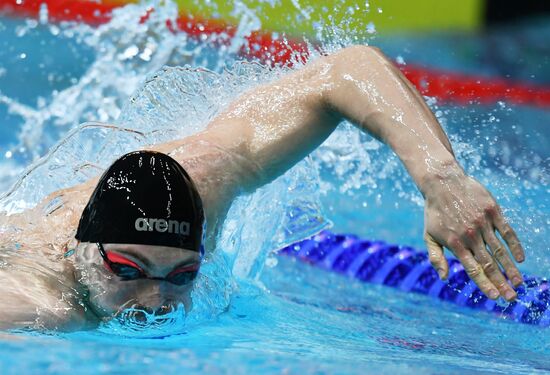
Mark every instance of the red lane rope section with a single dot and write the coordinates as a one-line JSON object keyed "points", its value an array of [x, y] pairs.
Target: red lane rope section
{"points": [[90, 12], [260, 45], [446, 86], [467, 89]]}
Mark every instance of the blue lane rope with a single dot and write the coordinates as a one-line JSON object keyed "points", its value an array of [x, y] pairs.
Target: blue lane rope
{"points": [[409, 270]]}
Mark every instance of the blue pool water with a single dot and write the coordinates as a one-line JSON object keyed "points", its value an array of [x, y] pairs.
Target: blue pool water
{"points": [[284, 317]]}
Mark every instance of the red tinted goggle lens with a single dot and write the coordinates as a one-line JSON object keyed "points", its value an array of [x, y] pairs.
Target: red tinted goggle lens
{"points": [[180, 276]]}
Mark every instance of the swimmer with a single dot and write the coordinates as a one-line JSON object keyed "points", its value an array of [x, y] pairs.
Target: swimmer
{"points": [[140, 231]]}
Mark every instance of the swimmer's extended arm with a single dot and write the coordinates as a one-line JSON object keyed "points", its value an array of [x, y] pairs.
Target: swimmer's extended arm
{"points": [[460, 213], [278, 124]]}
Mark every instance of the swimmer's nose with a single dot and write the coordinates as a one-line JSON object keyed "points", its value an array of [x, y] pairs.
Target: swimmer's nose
{"points": [[159, 288]]}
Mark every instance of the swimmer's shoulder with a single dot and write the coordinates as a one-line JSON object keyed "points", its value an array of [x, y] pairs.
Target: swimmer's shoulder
{"points": [[218, 170], [212, 155]]}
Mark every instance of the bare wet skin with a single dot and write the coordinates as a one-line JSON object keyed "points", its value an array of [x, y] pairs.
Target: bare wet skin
{"points": [[257, 138]]}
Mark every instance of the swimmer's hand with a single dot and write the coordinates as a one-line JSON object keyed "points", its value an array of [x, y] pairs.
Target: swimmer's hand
{"points": [[461, 215]]}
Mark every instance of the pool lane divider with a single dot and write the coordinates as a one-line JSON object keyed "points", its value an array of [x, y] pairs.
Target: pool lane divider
{"points": [[447, 86], [409, 270]]}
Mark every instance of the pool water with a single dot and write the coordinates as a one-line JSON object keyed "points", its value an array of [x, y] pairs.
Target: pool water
{"points": [[283, 316]]}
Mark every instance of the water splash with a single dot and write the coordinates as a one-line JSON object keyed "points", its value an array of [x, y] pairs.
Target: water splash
{"points": [[129, 86], [134, 322], [137, 42]]}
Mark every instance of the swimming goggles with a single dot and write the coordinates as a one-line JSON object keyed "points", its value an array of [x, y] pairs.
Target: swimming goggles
{"points": [[128, 270]]}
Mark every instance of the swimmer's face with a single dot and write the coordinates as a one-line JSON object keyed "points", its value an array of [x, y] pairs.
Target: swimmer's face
{"points": [[110, 294]]}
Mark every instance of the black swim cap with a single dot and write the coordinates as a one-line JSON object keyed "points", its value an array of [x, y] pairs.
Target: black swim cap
{"points": [[144, 198]]}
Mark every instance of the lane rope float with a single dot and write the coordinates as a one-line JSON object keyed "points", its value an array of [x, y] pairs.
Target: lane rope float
{"points": [[408, 269]]}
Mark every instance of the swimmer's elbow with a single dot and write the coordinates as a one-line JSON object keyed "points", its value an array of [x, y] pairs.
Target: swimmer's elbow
{"points": [[359, 50], [350, 56], [350, 70], [354, 64]]}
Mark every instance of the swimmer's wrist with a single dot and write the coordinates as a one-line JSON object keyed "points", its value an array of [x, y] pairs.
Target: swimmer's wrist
{"points": [[440, 174]]}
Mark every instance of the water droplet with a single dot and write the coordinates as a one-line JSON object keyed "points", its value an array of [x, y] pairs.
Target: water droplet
{"points": [[371, 29], [43, 13], [146, 54], [54, 30], [129, 53], [271, 262]]}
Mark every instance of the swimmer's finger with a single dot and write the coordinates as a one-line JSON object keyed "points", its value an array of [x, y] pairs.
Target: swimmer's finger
{"points": [[475, 271], [437, 259], [508, 234], [500, 253], [491, 269]]}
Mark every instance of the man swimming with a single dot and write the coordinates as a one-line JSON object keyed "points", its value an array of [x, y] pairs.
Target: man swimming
{"points": [[140, 231]]}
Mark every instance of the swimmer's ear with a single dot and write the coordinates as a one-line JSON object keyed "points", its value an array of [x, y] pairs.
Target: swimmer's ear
{"points": [[437, 258]]}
